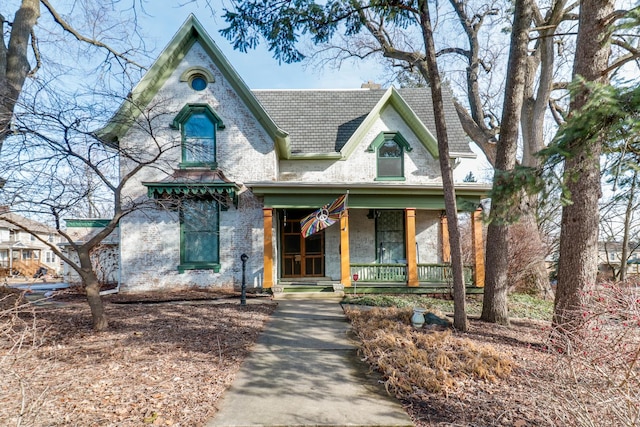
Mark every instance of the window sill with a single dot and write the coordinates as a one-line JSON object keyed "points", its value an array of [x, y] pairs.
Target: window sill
{"points": [[189, 165], [202, 266], [390, 178]]}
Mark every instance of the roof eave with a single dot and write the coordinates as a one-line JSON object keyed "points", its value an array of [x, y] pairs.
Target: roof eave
{"points": [[391, 96], [269, 187]]}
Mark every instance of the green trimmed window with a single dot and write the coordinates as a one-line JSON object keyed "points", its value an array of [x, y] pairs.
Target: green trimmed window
{"points": [[390, 160], [390, 236], [198, 124], [199, 235], [389, 148]]}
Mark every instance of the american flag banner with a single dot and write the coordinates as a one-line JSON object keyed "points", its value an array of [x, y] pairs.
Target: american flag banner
{"points": [[324, 217]]}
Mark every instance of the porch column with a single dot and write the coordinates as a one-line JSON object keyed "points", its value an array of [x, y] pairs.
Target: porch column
{"points": [[478, 247], [446, 245], [345, 270], [410, 239], [267, 280]]}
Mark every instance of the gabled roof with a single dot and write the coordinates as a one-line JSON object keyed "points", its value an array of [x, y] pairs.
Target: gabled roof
{"points": [[303, 124], [329, 122], [189, 33]]}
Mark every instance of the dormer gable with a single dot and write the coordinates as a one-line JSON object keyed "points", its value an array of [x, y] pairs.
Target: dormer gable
{"points": [[392, 99]]}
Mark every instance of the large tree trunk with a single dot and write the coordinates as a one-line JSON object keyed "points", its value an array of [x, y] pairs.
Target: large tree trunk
{"points": [[494, 307], [14, 65], [92, 287], [459, 291], [578, 262], [537, 275], [538, 85]]}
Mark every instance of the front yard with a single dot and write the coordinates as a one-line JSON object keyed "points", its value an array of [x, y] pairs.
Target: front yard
{"points": [[166, 361]]}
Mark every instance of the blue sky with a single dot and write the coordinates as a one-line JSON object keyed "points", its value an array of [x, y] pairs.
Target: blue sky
{"points": [[257, 67]]}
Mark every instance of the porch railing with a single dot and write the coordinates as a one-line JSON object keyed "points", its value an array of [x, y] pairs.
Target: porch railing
{"points": [[380, 272], [428, 273]]}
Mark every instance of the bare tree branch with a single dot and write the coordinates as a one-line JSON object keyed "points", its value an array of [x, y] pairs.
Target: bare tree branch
{"points": [[36, 54], [68, 28], [633, 54], [482, 137]]}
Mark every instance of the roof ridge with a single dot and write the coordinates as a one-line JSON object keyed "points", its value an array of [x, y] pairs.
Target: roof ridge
{"points": [[319, 90]]}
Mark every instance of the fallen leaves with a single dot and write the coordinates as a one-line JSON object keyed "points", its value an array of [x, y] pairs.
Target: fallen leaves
{"points": [[159, 364]]}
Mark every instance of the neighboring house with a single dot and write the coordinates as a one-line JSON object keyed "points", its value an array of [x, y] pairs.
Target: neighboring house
{"points": [[105, 257], [253, 164], [21, 253], [610, 258]]}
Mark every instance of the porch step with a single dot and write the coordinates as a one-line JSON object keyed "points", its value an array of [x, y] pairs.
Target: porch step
{"points": [[295, 291]]}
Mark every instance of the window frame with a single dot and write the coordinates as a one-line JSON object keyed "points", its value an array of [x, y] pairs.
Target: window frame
{"points": [[377, 216], [179, 123], [381, 140], [214, 262]]}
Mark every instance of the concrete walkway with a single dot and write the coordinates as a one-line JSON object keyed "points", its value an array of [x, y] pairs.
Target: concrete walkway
{"points": [[304, 371]]}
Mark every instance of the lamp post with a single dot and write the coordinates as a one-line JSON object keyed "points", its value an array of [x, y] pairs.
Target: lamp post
{"points": [[243, 294]]}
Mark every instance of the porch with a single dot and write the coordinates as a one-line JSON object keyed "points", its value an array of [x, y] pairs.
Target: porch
{"points": [[16, 258], [390, 238], [385, 279]]}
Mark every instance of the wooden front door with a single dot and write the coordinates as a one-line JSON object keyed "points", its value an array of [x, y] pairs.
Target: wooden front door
{"points": [[300, 257]]}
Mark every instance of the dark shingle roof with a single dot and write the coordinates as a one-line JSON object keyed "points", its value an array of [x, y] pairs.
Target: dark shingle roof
{"points": [[322, 121]]}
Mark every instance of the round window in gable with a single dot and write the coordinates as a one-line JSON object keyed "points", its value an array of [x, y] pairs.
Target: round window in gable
{"points": [[198, 82]]}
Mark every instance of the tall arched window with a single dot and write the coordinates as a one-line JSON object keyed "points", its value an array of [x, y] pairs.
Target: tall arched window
{"points": [[198, 124], [199, 139]]}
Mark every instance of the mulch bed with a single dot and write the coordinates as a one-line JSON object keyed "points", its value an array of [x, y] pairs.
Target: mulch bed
{"points": [[167, 358], [158, 364]]}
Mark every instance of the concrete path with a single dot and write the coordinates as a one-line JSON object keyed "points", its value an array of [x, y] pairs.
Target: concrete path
{"points": [[304, 371]]}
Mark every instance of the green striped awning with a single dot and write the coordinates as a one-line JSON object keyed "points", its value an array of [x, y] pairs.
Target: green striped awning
{"points": [[159, 190]]}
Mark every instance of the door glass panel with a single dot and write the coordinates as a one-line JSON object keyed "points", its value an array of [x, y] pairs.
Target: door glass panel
{"points": [[292, 244], [313, 244], [313, 266]]}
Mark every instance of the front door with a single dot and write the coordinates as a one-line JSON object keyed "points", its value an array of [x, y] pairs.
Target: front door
{"points": [[300, 257]]}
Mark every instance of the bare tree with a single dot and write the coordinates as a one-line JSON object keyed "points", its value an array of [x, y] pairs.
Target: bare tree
{"points": [[47, 160], [618, 223], [21, 58], [494, 307]]}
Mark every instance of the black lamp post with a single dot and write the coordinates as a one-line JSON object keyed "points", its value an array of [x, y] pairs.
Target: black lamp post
{"points": [[243, 295]]}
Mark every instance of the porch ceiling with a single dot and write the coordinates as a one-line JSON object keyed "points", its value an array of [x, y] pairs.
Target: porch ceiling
{"points": [[366, 196]]}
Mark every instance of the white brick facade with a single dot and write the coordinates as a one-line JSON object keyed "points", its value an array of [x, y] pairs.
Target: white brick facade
{"points": [[251, 149]]}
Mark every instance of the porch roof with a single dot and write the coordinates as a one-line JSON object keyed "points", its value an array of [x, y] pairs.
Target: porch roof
{"points": [[19, 246], [377, 195]]}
